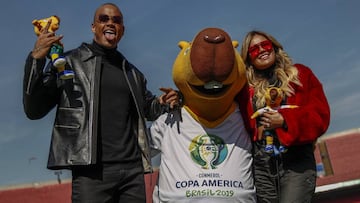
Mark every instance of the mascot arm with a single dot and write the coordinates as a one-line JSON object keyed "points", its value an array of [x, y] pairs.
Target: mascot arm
{"points": [[157, 130], [306, 123]]}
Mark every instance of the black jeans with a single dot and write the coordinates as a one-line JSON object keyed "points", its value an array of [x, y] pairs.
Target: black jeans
{"points": [[108, 184], [286, 178]]}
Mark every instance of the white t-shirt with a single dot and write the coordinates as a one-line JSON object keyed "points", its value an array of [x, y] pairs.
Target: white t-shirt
{"points": [[203, 164]]}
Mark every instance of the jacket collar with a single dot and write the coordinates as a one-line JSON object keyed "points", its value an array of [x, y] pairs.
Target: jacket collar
{"points": [[87, 54]]}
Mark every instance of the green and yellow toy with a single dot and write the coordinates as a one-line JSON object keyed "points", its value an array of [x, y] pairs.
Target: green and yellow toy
{"points": [[56, 51]]}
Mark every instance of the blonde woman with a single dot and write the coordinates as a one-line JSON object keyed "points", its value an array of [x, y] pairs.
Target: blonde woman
{"points": [[290, 175]]}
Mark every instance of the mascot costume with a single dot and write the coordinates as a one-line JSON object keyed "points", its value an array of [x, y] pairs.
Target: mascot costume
{"points": [[56, 50], [207, 156]]}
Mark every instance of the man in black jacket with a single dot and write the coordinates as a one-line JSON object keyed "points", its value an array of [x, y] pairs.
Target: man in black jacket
{"points": [[99, 130]]}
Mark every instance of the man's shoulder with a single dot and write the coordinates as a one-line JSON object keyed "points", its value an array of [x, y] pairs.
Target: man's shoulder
{"points": [[83, 44], [84, 47], [83, 51]]}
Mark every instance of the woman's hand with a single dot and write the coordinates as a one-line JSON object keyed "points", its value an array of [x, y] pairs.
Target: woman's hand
{"points": [[272, 120]]}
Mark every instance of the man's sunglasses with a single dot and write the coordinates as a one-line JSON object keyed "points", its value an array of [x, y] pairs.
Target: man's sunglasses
{"points": [[254, 50], [105, 18]]}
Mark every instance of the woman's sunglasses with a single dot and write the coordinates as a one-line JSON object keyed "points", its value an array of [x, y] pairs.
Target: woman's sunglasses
{"points": [[105, 18], [254, 50]]}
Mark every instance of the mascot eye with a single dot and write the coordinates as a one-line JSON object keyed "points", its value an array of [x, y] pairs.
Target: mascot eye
{"points": [[186, 51]]}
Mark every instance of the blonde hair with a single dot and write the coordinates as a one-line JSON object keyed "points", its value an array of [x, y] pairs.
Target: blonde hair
{"points": [[284, 70]]}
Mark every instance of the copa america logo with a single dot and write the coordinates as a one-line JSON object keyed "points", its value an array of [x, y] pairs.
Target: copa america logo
{"points": [[208, 151]]}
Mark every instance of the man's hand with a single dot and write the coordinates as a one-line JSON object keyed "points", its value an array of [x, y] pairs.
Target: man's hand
{"points": [[44, 42], [169, 96]]}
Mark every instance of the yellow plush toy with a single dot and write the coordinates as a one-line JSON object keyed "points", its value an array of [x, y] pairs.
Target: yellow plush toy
{"points": [[209, 72], [273, 98], [56, 50]]}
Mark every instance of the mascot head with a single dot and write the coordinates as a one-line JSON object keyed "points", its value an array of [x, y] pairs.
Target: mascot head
{"points": [[210, 73], [40, 24]]}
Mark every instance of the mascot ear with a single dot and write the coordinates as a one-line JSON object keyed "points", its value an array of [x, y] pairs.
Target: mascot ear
{"points": [[235, 44], [183, 44]]}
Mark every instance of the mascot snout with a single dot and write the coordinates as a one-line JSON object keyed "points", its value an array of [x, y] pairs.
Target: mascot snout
{"points": [[212, 55]]}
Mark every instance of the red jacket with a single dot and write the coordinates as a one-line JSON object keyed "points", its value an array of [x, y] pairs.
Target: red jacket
{"points": [[304, 124]]}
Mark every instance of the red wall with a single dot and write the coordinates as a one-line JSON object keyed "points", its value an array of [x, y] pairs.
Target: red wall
{"points": [[343, 150], [53, 193]]}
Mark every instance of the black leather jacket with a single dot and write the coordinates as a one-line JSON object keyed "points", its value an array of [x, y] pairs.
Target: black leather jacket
{"points": [[74, 137]]}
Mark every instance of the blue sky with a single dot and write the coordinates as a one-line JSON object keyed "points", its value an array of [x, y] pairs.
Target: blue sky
{"points": [[322, 34]]}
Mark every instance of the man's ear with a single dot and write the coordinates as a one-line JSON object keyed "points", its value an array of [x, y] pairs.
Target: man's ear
{"points": [[92, 27]]}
